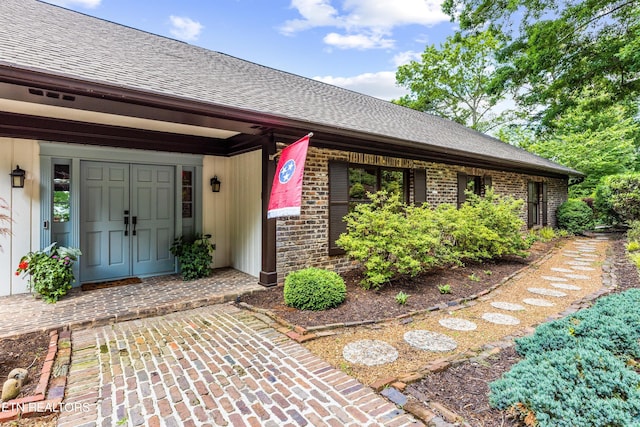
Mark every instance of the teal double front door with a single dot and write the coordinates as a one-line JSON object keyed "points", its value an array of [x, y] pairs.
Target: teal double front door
{"points": [[127, 220]]}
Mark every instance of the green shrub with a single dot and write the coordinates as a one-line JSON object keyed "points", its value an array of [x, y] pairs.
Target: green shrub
{"points": [[633, 246], [195, 254], [546, 234], [635, 259], [391, 239], [314, 289], [633, 233], [575, 216], [618, 198], [484, 227], [578, 359], [571, 387]]}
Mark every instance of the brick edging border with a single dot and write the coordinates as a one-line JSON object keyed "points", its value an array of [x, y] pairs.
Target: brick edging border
{"points": [[49, 392]]}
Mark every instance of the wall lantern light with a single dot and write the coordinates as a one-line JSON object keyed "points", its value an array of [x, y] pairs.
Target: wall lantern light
{"points": [[17, 177], [215, 184]]}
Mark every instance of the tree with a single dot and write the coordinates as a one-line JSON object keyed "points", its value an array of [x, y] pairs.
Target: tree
{"points": [[456, 81], [596, 143], [558, 48]]}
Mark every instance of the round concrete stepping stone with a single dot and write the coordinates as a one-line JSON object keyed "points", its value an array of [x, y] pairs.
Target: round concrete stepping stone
{"points": [[554, 279], [566, 251], [582, 268], [431, 341], [589, 255], [500, 319], [576, 255], [589, 260], [547, 292], [561, 270], [538, 302], [578, 276], [507, 306], [565, 286], [369, 352], [458, 324]]}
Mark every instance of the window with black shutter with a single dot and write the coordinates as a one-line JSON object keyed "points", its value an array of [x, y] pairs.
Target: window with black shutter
{"points": [[350, 183]]}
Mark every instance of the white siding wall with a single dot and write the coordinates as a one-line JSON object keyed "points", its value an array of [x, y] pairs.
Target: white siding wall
{"points": [[246, 212], [215, 208], [24, 209], [233, 216]]}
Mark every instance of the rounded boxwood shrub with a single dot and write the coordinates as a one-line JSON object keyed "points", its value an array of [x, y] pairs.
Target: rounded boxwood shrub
{"points": [[575, 216], [314, 289]]}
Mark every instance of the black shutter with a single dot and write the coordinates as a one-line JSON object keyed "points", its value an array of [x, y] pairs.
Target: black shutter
{"points": [[486, 182], [531, 202], [338, 203], [419, 186], [544, 190], [462, 187]]}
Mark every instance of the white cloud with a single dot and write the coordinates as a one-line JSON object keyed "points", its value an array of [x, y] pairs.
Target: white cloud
{"points": [[380, 85], [404, 58], [89, 4], [358, 41], [185, 28], [365, 24]]}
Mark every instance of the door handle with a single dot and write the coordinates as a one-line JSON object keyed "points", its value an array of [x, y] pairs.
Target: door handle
{"points": [[134, 221], [126, 223]]}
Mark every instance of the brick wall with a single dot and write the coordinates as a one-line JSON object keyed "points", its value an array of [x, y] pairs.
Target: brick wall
{"points": [[303, 241]]}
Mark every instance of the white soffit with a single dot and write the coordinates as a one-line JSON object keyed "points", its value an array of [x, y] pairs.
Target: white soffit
{"points": [[64, 113]]}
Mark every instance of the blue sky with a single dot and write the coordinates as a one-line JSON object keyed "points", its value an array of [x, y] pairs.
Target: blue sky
{"points": [[356, 44]]}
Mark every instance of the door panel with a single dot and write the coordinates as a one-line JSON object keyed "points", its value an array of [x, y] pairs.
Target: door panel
{"points": [[110, 249], [105, 198], [153, 190]]}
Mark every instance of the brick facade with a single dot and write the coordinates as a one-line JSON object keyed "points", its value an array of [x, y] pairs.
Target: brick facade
{"points": [[303, 241]]}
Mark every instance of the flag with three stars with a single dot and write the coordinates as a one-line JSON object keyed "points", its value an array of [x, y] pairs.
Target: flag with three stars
{"points": [[286, 193]]}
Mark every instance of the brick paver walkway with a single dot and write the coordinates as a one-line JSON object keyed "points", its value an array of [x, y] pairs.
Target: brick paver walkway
{"points": [[216, 365], [154, 296]]}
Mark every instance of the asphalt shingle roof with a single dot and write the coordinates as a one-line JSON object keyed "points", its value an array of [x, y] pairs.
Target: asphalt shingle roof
{"points": [[42, 37]]}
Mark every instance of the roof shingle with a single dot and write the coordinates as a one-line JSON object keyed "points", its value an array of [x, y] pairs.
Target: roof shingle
{"points": [[54, 40]]}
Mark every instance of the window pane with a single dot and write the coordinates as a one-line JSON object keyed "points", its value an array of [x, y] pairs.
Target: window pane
{"points": [[393, 181], [362, 180], [61, 193], [187, 194]]}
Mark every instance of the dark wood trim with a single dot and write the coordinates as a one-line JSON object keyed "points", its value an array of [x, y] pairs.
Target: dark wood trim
{"points": [[268, 272], [255, 123], [50, 129]]}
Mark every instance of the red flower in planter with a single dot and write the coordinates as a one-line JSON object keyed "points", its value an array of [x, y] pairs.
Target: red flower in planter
{"points": [[23, 265]]}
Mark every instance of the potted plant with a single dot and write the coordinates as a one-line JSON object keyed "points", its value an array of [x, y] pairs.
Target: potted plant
{"points": [[195, 254], [50, 271]]}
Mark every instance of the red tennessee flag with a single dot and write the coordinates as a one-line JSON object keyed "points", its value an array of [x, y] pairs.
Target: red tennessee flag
{"points": [[286, 193]]}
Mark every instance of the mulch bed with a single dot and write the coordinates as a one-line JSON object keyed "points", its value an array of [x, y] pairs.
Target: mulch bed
{"points": [[364, 305], [27, 351]]}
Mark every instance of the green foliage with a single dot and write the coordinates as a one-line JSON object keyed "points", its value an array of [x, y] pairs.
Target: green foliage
{"points": [[50, 271], [575, 216], [484, 227], [633, 246], [444, 289], [633, 233], [618, 198], [314, 289], [596, 143], [635, 259], [545, 64], [547, 234], [474, 278], [195, 254], [401, 298], [455, 81], [392, 239], [577, 359]]}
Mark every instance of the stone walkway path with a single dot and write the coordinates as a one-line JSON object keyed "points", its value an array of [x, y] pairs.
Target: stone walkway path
{"points": [[581, 259], [216, 365]]}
